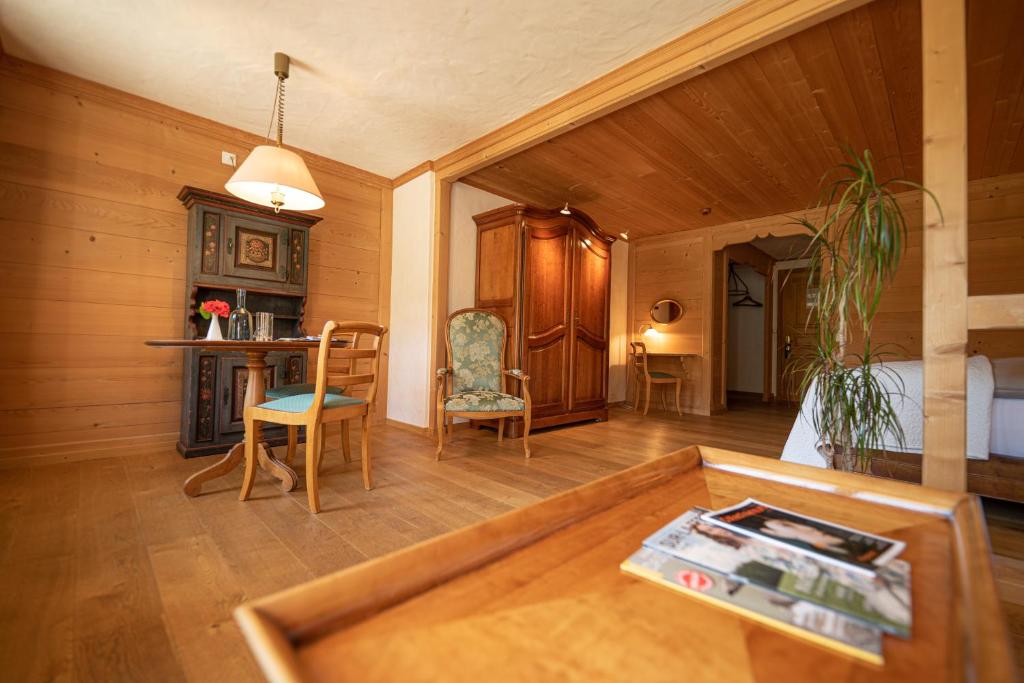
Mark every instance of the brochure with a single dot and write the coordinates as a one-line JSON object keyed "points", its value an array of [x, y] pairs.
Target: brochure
{"points": [[833, 543], [788, 614], [881, 601]]}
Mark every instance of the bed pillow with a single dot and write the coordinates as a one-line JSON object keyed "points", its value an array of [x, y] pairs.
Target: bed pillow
{"points": [[1009, 377]]}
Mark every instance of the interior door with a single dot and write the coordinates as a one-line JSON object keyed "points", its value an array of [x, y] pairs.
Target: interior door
{"points": [[546, 318], [591, 275], [796, 338]]}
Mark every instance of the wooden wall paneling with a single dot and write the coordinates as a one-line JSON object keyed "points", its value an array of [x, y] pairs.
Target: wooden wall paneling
{"points": [[95, 257], [672, 267], [944, 306]]}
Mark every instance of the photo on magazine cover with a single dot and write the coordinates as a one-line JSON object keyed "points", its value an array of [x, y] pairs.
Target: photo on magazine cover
{"points": [[830, 541]]}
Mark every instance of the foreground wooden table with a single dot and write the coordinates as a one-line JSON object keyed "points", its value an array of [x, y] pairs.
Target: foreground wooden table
{"points": [[536, 594], [255, 393]]}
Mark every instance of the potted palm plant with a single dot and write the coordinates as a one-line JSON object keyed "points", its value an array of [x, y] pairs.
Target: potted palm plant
{"points": [[854, 253]]}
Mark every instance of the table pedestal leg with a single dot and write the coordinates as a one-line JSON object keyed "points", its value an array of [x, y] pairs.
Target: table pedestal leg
{"points": [[255, 393]]}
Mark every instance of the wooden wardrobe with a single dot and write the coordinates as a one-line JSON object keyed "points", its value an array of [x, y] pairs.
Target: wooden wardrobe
{"points": [[548, 275]]}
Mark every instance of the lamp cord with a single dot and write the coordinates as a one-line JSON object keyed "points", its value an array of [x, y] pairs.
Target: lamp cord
{"points": [[277, 111]]}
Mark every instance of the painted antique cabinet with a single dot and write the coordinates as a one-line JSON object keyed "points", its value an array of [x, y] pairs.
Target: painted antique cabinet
{"points": [[548, 275], [233, 244]]}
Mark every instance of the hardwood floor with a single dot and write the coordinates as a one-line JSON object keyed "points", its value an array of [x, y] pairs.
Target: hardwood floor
{"points": [[109, 572]]}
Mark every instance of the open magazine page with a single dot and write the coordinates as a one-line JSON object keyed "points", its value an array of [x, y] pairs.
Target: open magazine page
{"points": [[842, 545], [882, 601], [788, 614]]}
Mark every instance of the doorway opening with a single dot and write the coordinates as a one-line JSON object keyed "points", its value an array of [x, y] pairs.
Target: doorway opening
{"points": [[754, 334]]}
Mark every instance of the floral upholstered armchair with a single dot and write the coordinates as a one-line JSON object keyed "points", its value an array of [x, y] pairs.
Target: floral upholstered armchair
{"points": [[473, 384]]}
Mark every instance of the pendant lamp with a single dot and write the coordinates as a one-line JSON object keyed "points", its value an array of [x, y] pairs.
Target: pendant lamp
{"points": [[272, 175]]}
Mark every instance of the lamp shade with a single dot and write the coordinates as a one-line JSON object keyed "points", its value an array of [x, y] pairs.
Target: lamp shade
{"points": [[275, 177]]}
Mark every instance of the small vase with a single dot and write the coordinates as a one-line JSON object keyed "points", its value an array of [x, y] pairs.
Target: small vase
{"points": [[213, 334]]}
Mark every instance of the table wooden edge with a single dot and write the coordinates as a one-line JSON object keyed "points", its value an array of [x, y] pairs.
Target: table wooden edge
{"points": [[276, 625], [240, 346]]}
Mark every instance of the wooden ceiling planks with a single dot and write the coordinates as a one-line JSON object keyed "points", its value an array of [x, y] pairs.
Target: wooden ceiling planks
{"points": [[753, 137]]}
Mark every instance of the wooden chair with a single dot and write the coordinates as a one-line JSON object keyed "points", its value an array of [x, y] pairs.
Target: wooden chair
{"points": [[473, 384], [642, 375], [313, 410], [286, 390]]}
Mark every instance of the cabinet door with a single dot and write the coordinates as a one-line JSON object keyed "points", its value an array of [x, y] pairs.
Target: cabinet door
{"points": [[546, 318], [256, 250], [591, 275], [234, 377]]}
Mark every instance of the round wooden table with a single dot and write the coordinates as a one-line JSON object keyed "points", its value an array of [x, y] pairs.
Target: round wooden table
{"points": [[255, 393]]}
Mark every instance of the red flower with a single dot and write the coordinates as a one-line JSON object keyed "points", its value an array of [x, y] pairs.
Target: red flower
{"points": [[216, 307]]}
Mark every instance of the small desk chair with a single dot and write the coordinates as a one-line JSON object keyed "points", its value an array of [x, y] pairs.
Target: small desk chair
{"points": [[312, 410], [638, 360], [473, 384]]}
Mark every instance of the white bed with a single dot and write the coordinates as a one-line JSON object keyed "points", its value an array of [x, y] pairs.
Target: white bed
{"points": [[995, 412]]}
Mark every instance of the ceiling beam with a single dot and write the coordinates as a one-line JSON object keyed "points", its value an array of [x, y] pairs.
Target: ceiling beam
{"points": [[740, 31]]}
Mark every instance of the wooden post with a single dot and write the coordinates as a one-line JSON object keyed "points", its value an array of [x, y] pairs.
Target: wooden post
{"points": [[943, 43], [439, 302]]}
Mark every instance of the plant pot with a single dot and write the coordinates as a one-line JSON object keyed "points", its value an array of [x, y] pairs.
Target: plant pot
{"points": [[213, 334]]}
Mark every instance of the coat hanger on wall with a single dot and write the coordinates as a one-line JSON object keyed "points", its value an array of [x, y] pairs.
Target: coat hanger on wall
{"points": [[737, 287]]}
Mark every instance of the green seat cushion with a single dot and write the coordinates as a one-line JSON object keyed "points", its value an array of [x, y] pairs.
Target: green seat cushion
{"points": [[300, 403], [481, 401], [295, 389], [661, 375]]}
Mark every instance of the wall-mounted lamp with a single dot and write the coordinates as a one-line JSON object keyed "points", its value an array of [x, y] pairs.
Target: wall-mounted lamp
{"points": [[647, 330], [624, 236], [565, 210]]}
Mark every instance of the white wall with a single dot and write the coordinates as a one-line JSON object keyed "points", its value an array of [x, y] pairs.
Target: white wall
{"points": [[466, 202], [411, 293], [617, 324], [746, 337]]}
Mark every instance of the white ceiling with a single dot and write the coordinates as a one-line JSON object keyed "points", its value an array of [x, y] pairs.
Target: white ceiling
{"points": [[379, 84]]}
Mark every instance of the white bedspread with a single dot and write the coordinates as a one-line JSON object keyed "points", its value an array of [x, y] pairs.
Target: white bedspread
{"points": [[801, 447], [1008, 427]]}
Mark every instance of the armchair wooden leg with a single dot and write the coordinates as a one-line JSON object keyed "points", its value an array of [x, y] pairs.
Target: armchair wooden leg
{"points": [[501, 429], [293, 443], [313, 439], [647, 401], [346, 446], [441, 422], [322, 448], [367, 465], [679, 388], [526, 432], [664, 401], [250, 459]]}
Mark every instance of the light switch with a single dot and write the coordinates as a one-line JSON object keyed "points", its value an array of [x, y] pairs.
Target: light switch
{"points": [[228, 159]]}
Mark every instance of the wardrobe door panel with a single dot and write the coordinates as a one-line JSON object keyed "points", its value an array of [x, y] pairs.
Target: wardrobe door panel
{"points": [[591, 274], [548, 362], [546, 316]]}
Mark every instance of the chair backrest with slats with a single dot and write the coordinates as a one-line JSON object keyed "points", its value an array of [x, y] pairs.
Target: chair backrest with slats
{"points": [[341, 366], [638, 357]]}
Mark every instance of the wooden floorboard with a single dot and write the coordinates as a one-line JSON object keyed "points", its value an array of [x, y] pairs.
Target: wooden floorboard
{"points": [[111, 573]]}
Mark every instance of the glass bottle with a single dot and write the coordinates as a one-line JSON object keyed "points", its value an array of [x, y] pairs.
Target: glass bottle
{"points": [[240, 320]]}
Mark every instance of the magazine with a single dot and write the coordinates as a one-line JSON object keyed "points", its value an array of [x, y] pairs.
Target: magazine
{"points": [[790, 615], [851, 548], [881, 601]]}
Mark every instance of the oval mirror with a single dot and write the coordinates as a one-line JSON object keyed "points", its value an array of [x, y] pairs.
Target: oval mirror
{"points": [[666, 311]]}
